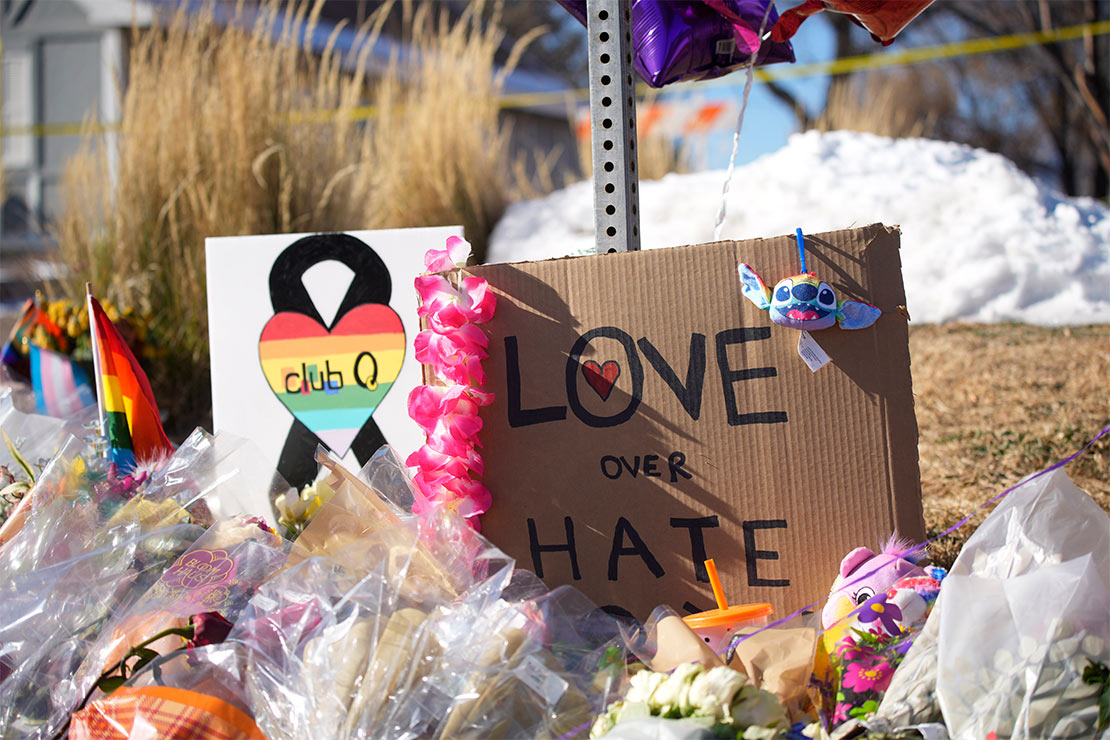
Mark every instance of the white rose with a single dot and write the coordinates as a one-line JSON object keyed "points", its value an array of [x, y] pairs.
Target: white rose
{"points": [[674, 692], [643, 685], [604, 722], [701, 698], [724, 682]]}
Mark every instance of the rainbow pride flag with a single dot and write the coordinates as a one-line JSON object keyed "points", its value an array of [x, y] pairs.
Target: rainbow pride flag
{"points": [[131, 420], [11, 354]]}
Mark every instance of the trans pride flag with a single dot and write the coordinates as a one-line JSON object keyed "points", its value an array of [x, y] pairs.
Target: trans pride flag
{"points": [[131, 420], [61, 387]]}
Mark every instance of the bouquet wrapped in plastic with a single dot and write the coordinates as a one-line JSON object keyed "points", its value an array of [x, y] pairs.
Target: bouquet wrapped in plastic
{"points": [[90, 545], [384, 624], [215, 577]]}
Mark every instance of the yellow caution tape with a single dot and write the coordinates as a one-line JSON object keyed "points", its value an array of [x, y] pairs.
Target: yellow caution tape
{"points": [[842, 66]]}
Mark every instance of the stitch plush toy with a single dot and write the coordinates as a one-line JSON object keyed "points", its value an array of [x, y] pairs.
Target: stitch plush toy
{"points": [[898, 592], [802, 301]]}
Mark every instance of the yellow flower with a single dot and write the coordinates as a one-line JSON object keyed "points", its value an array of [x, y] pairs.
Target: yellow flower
{"points": [[296, 510]]}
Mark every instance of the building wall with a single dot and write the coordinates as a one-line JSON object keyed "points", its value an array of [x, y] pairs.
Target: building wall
{"points": [[60, 65]]}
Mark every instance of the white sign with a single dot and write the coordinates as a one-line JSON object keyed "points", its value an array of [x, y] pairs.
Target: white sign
{"points": [[311, 339]]}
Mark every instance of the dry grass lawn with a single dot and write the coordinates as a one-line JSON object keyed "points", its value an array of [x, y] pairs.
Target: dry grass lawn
{"points": [[998, 402]]}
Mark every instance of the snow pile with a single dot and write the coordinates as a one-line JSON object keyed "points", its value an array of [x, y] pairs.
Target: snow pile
{"points": [[981, 240]]}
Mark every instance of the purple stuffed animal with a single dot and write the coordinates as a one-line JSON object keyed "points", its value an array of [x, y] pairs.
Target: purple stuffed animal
{"points": [[857, 584]]}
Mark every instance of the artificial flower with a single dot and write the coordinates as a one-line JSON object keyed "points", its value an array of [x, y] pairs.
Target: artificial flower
{"points": [[878, 609], [455, 357], [447, 307], [862, 676], [453, 256], [428, 457], [449, 410], [448, 414], [441, 487]]}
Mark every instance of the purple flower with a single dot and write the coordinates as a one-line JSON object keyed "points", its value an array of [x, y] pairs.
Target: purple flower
{"points": [[261, 524], [886, 614]]}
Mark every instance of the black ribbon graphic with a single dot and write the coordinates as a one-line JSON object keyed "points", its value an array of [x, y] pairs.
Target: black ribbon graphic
{"points": [[371, 284]]}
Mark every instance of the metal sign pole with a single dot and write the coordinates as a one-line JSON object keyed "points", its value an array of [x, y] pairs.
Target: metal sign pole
{"points": [[613, 126]]}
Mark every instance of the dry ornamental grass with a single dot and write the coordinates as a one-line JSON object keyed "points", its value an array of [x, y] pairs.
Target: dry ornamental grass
{"points": [[238, 128]]}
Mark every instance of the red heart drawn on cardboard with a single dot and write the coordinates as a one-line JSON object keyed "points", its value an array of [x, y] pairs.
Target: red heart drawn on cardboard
{"points": [[601, 378], [333, 381]]}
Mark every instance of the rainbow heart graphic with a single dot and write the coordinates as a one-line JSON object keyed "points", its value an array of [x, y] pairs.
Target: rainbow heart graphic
{"points": [[333, 381]]}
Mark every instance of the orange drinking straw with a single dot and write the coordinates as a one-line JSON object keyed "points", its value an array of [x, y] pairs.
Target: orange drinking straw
{"points": [[715, 582]]}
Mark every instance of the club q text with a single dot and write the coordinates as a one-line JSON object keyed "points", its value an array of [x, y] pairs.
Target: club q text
{"points": [[311, 378]]}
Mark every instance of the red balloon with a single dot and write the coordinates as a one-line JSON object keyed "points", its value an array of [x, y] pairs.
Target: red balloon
{"points": [[883, 19]]}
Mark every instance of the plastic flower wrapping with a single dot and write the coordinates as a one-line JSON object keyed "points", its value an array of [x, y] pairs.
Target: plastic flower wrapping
{"points": [[143, 603]]}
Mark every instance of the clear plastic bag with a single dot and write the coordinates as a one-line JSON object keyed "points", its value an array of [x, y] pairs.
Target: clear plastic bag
{"points": [[50, 618], [386, 625], [80, 503], [91, 544], [37, 438], [1024, 609], [218, 573]]}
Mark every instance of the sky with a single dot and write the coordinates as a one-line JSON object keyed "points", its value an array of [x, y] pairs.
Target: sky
{"points": [[768, 122]]}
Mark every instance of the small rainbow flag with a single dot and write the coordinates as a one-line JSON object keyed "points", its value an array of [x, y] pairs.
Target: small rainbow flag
{"points": [[11, 355], [130, 415]]}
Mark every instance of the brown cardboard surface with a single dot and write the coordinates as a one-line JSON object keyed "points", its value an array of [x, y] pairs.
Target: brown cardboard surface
{"points": [[810, 465]]}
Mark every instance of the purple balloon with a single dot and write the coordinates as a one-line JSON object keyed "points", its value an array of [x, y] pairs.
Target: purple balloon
{"points": [[682, 40]]}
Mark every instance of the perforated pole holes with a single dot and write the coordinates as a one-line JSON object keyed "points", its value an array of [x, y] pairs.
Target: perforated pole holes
{"points": [[613, 126]]}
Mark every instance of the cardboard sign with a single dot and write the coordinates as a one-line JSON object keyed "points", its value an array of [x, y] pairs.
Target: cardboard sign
{"points": [[311, 341], [648, 417]]}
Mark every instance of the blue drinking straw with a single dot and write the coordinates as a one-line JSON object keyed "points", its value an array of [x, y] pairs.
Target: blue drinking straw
{"points": [[801, 248]]}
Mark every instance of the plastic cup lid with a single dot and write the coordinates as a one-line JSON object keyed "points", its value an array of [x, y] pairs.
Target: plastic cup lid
{"points": [[729, 616]]}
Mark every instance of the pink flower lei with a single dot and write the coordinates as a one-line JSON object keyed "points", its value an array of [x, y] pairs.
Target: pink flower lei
{"points": [[453, 347]]}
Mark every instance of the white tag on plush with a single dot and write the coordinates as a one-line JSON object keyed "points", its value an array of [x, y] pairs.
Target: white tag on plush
{"points": [[810, 351]]}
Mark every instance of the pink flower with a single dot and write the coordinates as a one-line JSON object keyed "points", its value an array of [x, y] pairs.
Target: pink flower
{"points": [[448, 308], [261, 524], [454, 461], [455, 357], [480, 300], [848, 650], [861, 677], [455, 255], [452, 410], [466, 496], [841, 712]]}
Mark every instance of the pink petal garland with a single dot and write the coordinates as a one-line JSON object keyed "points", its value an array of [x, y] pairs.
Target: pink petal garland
{"points": [[453, 347]]}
